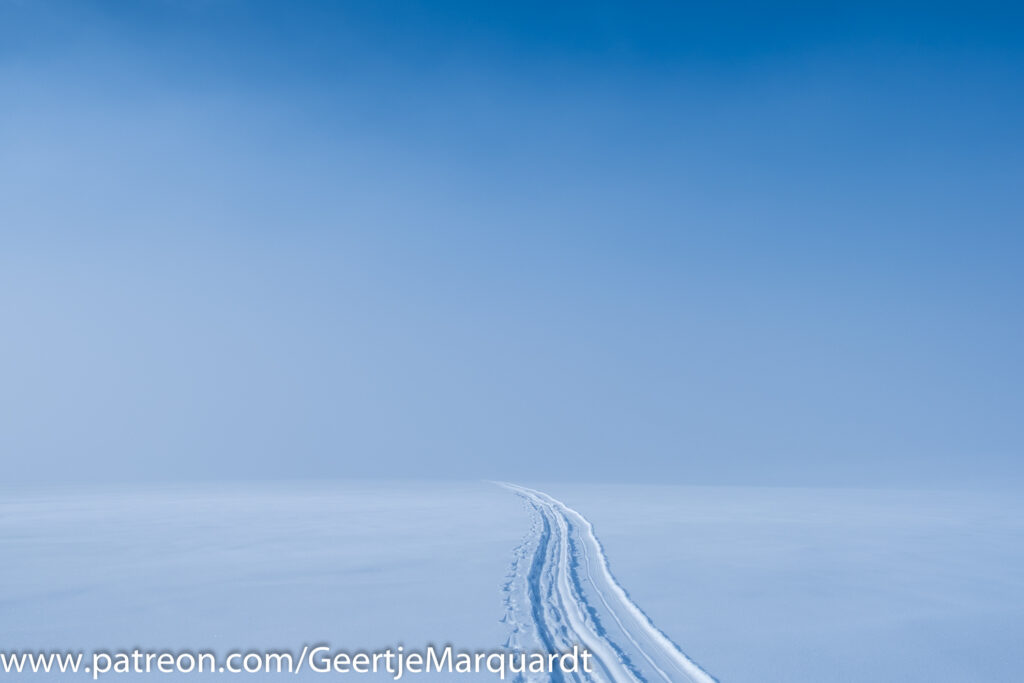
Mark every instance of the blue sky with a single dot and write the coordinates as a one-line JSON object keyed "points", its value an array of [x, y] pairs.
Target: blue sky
{"points": [[730, 243]]}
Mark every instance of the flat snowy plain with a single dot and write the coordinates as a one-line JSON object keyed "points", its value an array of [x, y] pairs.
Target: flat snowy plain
{"points": [[753, 585]]}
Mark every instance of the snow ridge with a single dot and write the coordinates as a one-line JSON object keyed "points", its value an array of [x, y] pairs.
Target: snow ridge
{"points": [[561, 592]]}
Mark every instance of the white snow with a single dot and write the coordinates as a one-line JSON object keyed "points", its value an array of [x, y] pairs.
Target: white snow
{"points": [[775, 585], [757, 585], [355, 565]]}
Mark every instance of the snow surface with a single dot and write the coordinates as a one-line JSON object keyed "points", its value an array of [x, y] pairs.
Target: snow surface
{"points": [[775, 585], [355, 565], [756, 585]]}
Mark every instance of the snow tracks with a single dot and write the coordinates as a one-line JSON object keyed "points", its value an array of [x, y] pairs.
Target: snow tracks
{"points": [[560, 592]]}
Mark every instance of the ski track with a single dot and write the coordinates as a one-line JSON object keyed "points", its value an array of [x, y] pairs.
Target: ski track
{"points": [[560, 592]]}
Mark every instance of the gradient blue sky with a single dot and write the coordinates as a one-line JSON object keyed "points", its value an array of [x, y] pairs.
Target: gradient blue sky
{"points": [[702, 243]]}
